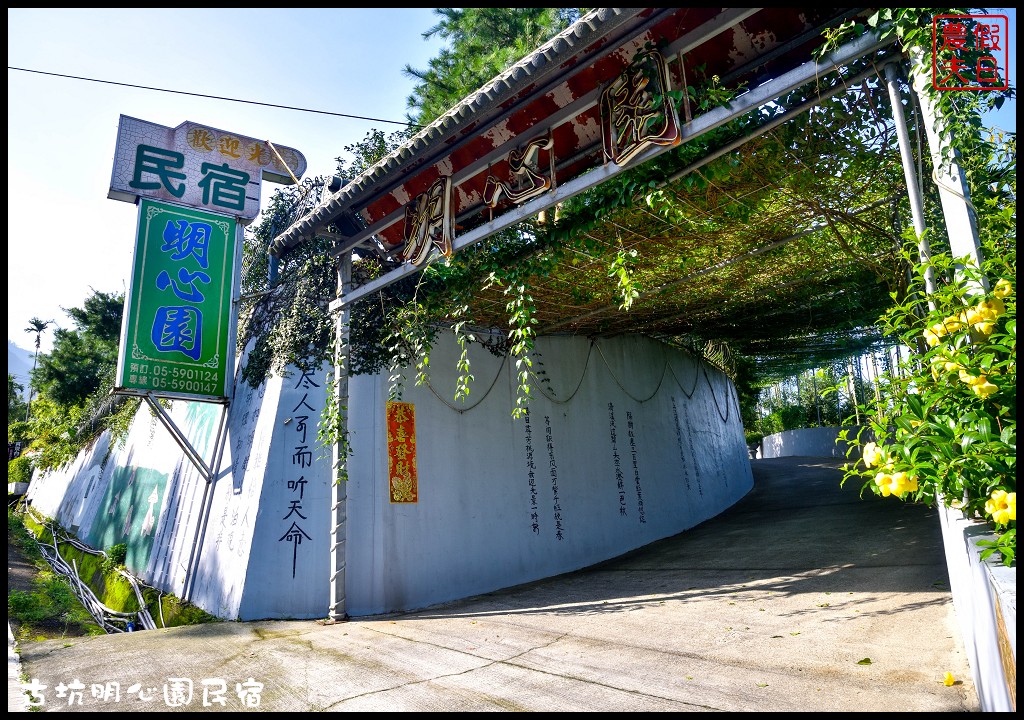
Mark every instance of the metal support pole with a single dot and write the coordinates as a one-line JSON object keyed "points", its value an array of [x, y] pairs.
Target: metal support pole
{"points": [[339, 455], [204, 515], [961, 224], [817, 404], [853, 390], [878, 392], [207, 472], [892, 76]]}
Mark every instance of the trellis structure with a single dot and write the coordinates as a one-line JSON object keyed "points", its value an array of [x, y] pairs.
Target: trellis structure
{"points": [[765, 219]]}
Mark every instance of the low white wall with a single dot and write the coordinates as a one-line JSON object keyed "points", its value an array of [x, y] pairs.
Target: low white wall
{"points": [[806, 442], [985, 598], [627, 442]]}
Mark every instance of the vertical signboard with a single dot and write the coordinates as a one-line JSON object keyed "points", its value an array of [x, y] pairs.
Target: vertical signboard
{"points": [[177, 336]]}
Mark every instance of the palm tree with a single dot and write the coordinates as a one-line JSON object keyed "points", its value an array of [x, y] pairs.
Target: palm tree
{"points": [[35, 325]]}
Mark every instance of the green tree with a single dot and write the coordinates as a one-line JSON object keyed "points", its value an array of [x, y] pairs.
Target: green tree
{"points": [[375, 146], [37, 326], [84, 357], [16, 407], [482, 43]]}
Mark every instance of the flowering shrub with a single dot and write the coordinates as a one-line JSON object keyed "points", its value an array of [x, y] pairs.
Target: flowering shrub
{"points": [[945, 427]]}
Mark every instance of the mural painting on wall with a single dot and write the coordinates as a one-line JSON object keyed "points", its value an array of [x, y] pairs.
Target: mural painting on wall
{"points": [[301, 459], [129, 513], [403, 485], [527, 180], [428, 222], [636, 111]]}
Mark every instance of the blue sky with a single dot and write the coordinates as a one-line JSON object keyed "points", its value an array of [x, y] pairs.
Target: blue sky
{"points": [[65, 238]]}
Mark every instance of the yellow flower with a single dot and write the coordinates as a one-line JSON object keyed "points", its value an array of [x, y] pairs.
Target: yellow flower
{"points": [[1003, 288], [983, 388], [940, 329], [985, 327], [967, 378], [898, 484], [872, 454], [905, 482], [883, 480], [971, 315], [949, 680], [1002, 506], [950, 366], [993, 307]]}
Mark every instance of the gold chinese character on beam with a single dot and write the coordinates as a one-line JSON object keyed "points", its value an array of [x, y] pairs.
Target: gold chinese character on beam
{"points": [[636, 111], [428, 222], [526, 180]]}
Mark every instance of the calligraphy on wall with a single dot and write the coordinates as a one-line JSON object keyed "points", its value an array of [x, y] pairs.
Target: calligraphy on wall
{"points": [[531, 474], [620, 483], [302, 458]]}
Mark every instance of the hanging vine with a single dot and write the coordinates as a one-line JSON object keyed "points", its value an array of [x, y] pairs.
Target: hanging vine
{"points": [[331, 433], [463, 375], [675, 230]]}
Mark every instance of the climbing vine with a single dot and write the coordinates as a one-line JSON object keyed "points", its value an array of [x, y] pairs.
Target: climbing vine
{"points": [[332, 433], [394, 330], [958, 114]]}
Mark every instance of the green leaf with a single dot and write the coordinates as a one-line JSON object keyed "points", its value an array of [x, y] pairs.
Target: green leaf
{"points": [[865, 661]]}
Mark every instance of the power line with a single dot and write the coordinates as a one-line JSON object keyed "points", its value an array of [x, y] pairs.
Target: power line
{"points": [[217, 97]]}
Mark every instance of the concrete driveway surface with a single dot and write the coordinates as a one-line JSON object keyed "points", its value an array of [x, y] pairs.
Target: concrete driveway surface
{"points": [[802, 597]]}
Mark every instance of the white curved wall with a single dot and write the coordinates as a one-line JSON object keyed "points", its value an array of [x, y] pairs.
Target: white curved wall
{"points": [[806, 442], [479, 524]]}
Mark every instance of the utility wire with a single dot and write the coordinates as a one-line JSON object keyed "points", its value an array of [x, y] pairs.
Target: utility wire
{"points": [[218, 97]]}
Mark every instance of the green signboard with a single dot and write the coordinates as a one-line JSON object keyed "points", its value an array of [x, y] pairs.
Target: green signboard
{"points": [[178, 333]]}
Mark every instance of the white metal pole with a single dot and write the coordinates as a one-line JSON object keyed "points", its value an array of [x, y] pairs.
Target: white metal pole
{"points": [[892, 77], [961, 225], [339, 455]]}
